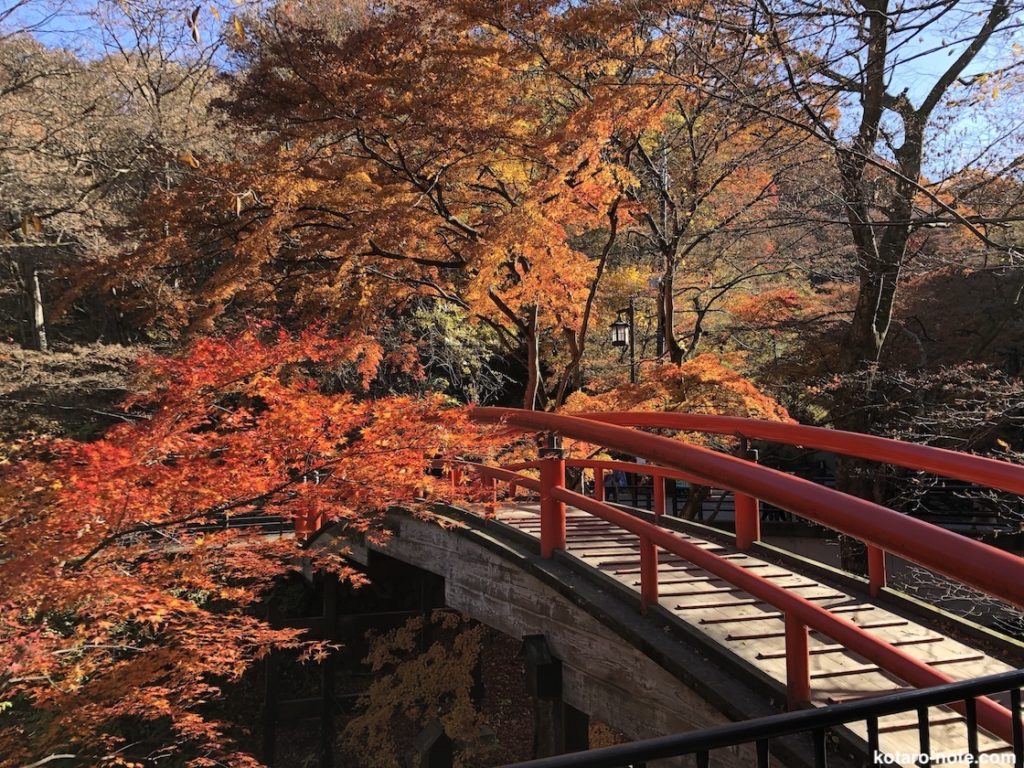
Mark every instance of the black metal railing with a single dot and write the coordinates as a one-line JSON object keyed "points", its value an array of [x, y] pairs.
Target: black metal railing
{"points": [[814, 722]]}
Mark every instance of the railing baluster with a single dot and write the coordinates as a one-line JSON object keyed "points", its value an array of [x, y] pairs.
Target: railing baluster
{"points": [[872, 723], [748, 520], [552, 511], [924, 736], [1018, 728], [798, 660], [820, 755], [971, 713], [876, 569], [746, 509], [648, 573], [816, 723], [658, 484]]}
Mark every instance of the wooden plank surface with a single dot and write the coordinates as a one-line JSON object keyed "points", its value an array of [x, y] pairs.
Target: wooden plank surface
{"points": [[754, 630]]}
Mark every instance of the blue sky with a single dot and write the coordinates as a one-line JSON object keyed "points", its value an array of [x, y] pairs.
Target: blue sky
{"points": [[917, 61]]}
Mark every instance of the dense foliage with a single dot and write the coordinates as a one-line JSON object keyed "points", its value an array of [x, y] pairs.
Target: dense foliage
{"points": [[325, 226]]}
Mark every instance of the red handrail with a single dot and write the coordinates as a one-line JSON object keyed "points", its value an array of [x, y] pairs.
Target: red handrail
{"points": [[991, 473], [626, 466], [746, 510], [979, 565], [799, 612]]}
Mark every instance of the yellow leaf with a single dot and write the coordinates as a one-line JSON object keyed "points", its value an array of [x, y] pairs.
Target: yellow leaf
{"points": [[31, 224]]}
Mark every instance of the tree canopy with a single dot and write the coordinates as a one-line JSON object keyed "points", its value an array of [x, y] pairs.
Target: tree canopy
{"points": [[325, 227]]}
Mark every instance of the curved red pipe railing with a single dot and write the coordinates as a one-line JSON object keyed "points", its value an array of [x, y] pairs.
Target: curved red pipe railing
{"points": [[991, 473], [992, 570], [800, 613], [504, 474], [971, 562], [626, 466]]}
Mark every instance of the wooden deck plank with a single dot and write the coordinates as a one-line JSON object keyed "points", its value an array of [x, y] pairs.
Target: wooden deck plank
{"points": [[754, 631]]}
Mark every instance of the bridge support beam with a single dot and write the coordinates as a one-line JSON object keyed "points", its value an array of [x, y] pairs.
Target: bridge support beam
{"points": [[558, 727], [431, 748], [552, 511], [577, 729], [544, 682]]}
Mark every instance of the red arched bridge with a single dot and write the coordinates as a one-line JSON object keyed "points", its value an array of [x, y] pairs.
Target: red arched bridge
{"points": [[823, 638]]}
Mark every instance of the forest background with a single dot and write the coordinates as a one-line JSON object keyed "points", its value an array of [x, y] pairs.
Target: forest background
{"points": [[256, 257]]}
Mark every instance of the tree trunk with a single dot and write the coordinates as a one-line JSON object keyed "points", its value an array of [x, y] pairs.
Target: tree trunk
{"points": [[572, 375], [35, 317], [667, 313], [695, 499], [532, 361]]}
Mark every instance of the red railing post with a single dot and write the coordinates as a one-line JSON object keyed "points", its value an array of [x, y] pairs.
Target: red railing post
{"points": [[659, 496], [456, 477], [306, 524], [552, 511], [747, 510], [648, 573], [876, 569], [598, 484], [798, 663]]}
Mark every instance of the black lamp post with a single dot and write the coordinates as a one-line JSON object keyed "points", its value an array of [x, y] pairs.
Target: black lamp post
{"points": [[624, 334]]}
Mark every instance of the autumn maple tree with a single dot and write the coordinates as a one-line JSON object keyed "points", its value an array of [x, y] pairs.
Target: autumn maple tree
{"points": [[705, 384], [455, 153], [417, 685], [327, 213], [122, 571]]}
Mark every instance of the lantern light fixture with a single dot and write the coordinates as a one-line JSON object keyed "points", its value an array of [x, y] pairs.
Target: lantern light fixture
{"points": [[620, 332]]}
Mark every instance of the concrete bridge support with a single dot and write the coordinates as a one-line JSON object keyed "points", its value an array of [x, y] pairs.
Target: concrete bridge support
{"points": [[603, 674]]}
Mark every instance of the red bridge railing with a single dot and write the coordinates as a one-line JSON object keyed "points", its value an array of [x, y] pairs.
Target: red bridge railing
{"points": [[965, 560]]}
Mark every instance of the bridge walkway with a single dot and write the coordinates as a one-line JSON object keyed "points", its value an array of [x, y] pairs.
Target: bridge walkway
{"points": [[754, 632]]}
